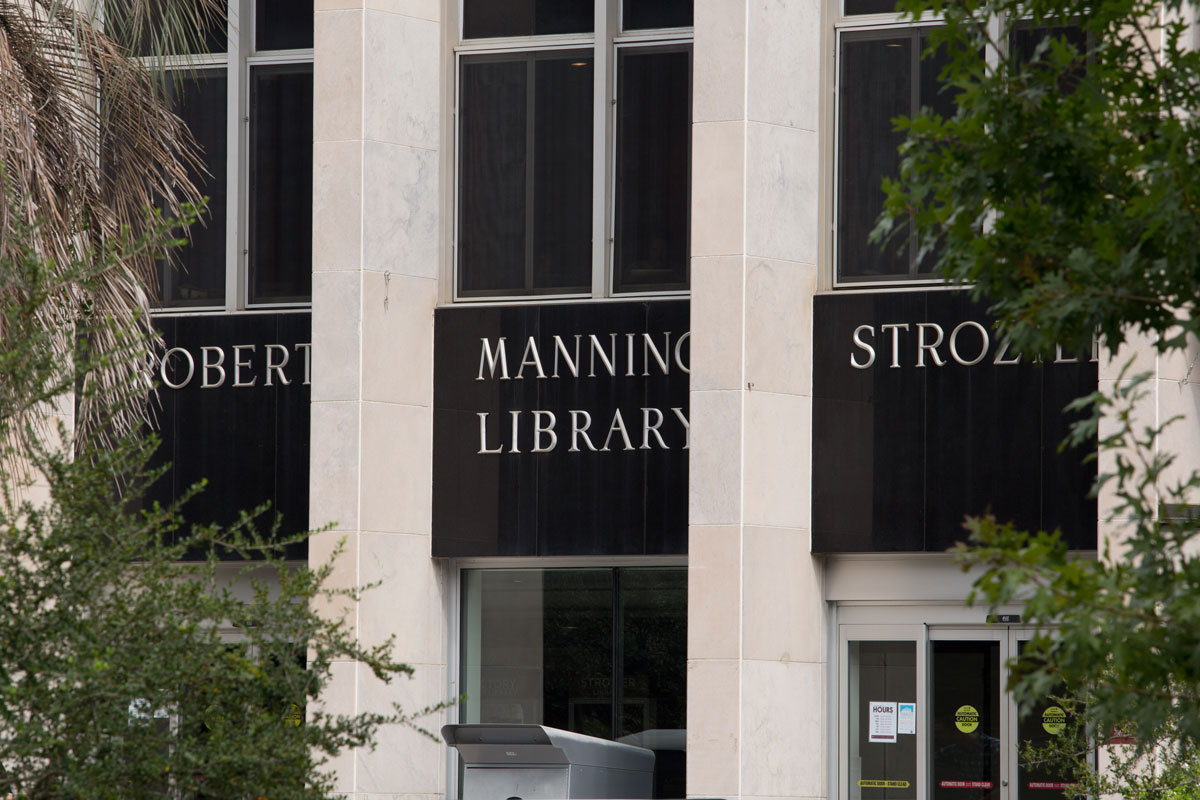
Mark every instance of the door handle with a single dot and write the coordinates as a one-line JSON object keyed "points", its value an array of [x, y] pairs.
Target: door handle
{"points": [[1004, 783]]}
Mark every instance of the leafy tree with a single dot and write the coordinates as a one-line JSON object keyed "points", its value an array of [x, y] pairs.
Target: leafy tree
{"points": [[125, 673], [1065, 191]]}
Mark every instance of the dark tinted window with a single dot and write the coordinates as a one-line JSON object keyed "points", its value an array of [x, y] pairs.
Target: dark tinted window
{"points": [[874, 87], [488, 18], [598, 651], [882, 75], [637, 14], [147, 33], [283, 24], [1026, 39], [853, 7], [281, 129], [525, 173], [653, 169], [198, 277]]}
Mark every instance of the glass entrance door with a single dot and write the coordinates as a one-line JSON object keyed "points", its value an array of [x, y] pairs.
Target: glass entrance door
{"points": [[977, 730], [925, 716]]}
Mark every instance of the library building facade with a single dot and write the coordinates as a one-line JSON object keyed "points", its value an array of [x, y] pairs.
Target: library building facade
{"points": [[562, 314]]}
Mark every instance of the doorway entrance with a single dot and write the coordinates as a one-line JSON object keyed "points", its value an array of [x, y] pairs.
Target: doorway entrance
{"points": [[924, 715]]}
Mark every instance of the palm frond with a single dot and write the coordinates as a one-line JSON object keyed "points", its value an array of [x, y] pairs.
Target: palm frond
{"points": [[88, 146]]}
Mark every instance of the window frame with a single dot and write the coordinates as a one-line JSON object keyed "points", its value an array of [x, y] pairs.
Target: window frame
{"points": [[862, 27], [604, 44], [238, 60]]}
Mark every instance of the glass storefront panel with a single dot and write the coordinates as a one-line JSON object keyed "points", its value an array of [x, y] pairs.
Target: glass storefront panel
{"points": [[883, 720], [965, 691], [598, 651]]}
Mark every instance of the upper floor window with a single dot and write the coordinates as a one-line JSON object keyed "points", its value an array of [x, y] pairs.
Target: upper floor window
{"points": [[573, 148], [248, 101], [883, 72]]}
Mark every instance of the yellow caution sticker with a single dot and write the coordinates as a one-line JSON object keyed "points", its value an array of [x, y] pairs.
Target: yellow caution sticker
{"points": [[883, 784], [966, 719], [1054, 720]]}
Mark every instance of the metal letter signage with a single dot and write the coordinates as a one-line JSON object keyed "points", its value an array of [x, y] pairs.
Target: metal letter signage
{"points": [[561, 429], [234, 395], [922, 415]]}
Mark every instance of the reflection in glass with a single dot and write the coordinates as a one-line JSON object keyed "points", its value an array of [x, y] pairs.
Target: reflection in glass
{"points": [[966, 720], [639, 14], [874, 88], [281, 132], [283, 24], [597, 651], [882, 75], [525, 174], [653, 169], [197, 277], [488, 18], [881, 671], [1037, 726]]}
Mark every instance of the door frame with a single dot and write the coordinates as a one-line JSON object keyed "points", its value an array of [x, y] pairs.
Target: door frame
{"points": [[922, 624]]}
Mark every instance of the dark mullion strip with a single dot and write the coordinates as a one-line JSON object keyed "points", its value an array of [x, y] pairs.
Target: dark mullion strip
{"points": [[618, 666], [530, 155], [914, 94]]}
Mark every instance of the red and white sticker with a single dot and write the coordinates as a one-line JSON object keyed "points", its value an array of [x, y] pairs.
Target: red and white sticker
{"points": [[966, 784], [1050, 785]]}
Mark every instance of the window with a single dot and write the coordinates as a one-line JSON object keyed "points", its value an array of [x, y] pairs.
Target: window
{"points": [[249, 104], [573, 148], [598, 651], [881, 75]]}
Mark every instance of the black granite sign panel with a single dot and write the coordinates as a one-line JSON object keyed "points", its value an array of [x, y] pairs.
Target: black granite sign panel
{"points": [[922, 415], [234, 393], [561, 429]]}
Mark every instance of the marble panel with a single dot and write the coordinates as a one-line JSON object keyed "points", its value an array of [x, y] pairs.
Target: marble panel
{"points": [[1179, 412], [338, 75], [408, 599], [718, 188], [336, 336], [397, 481], [404, 760], [719, 66], [401, 210], [401, 69], [339, 548], [717, 309], [337, 205], [339, 697], [1144, 415], [783, 608], [397, 350], [715, 458], [713, 740], [1135, 356], [782, 192], [783, 729], [1181, 365], [784, 69], [421, 9], [779, 326], [714, 591], [778, 460], [334, 465]]}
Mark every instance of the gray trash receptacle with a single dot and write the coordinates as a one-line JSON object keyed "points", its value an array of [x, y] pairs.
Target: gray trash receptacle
{"points": [[533, 762]]}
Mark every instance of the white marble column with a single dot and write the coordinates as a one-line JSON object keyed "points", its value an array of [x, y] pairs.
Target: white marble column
{"points": [[376, 238], [757, 684]]}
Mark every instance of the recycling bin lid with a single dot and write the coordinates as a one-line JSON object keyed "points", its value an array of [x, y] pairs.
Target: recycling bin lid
{"points": [[533, 745]]}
